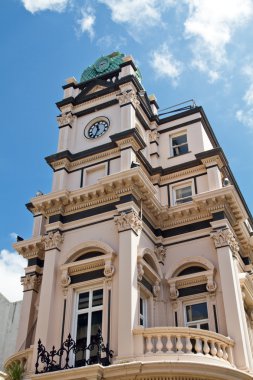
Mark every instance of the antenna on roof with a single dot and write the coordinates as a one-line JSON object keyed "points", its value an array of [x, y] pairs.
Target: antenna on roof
{"points": [[185, 108]]}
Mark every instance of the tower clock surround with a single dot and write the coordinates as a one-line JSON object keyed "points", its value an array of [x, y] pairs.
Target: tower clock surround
{"points": [[97, 127]]}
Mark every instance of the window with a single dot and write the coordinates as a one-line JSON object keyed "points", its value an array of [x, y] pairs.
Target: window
{"points": [[143, 312], [88, 321], [182, 194], [179, 145], [196, 316]]}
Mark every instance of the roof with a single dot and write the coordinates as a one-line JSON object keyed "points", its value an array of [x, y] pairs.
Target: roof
{"points": [[103, 65]]}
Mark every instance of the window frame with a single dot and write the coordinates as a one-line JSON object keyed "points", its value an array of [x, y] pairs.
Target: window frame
{"points": [[75, 312], [200, 321], [178, 186], [175, 135]]}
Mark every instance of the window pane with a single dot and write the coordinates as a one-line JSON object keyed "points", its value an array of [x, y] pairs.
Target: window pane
{"points": [[179, 140], [96, 323], [184, 192], [97, 298], [196, 312], [204, 326], [83, 301], [141, 306], [81, 333]]}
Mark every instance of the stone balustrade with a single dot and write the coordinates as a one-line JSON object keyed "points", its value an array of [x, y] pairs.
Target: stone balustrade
{"points": [[165, 341], [24, 358]]}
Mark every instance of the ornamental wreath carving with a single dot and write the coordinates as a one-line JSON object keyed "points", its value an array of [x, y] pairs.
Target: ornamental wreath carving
{"points": [[64, 119], [65, 279], [53, 240], [224, 237], [160, 253], [128, 96], [130, 220], [174, 293], [31, 282], [153, 135]]}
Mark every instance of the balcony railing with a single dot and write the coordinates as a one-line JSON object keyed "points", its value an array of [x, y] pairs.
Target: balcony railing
{"points": [[71, 355], [165, 341]]}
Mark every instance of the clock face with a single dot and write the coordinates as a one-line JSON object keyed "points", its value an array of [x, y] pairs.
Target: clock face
{"points": [[97, 129], [102, 64]]}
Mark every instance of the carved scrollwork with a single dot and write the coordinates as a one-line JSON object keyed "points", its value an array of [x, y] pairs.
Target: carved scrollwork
{"points": [[126, 221], [31, 282], [174, 293], [53, 240], [128, 96], [211, 285], [65, 278], [140, 271], [65, 119], [156, 289], [109, 269], [224, 237], [160, 252]]}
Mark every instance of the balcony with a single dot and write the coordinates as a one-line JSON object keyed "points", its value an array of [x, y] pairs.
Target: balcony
{"points": [[183, 343]]}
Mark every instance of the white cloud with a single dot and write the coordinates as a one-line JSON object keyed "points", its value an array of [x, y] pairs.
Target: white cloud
{"points": [[13, 236], [211, 25], [87, 21], [42, 5], [138, 14], [11, 269], [110, 41], [165, 65], [245, 114]]}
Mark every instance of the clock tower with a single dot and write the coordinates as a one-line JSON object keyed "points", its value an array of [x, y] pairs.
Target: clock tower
{"points": [[145, 241]]}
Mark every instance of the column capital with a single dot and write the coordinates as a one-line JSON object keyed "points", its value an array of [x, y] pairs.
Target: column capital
{"points": [[128, 220], [31, 282], [128, 96], [53, 240], [224, 237], [65, 119]]}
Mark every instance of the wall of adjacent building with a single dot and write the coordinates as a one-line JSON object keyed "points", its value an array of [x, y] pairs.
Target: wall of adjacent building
{"points": [[9, 316]]}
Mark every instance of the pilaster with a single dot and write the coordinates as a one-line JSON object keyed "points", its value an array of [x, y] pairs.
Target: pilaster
{"points": [[52, 242], [227, 251], [129, 226]]}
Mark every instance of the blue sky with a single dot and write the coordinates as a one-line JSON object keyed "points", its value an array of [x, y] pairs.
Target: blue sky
{"points": [[188, 49]]}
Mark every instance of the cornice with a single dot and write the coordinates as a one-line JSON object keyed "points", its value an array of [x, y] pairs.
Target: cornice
{"points": [[31, 248], [134, 182]]}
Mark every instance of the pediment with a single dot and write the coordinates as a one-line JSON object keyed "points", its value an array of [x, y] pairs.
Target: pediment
{"points": [[96, 86]]}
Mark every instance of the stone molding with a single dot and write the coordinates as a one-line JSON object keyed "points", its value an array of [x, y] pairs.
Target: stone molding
{"points": [[224, 237], [53, 240], [126, 221], [31, 282], [65, 119], [128, 96]]}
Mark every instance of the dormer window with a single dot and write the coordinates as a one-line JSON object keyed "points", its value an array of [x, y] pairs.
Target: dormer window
{"points": [[179, 144]]}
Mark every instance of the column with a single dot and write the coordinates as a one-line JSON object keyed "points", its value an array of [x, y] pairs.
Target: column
{"points": [[227, 250], [129, 226], [44, 331], [128, 103], [214, 177]]}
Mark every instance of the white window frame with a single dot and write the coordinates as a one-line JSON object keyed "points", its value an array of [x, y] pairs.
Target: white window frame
{"points": [[89, 310], [143, 317], [181, 185], [198, 322], [182, 133]]}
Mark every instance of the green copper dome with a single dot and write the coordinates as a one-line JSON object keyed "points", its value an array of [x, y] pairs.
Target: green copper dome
{"points": [[103, 65]]}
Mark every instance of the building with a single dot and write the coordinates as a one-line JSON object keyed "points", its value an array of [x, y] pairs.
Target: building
{"points": [[145, 235], [9, 315]]}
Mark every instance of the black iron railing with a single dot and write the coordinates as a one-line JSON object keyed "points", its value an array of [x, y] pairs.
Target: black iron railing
{"points": [[71, 355]]}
